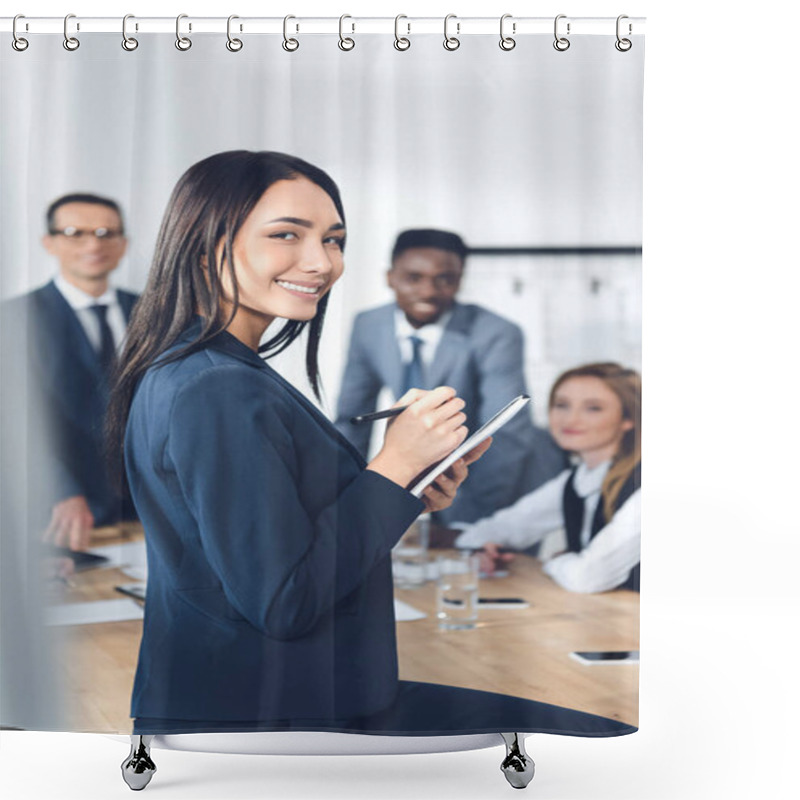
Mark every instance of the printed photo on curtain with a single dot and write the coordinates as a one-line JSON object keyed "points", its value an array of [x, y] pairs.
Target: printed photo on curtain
{"points": [[205, 543]]}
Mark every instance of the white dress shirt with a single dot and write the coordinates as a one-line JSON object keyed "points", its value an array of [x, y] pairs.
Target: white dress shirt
{"points": [[430, 335], [604, 562], [80, 303]]}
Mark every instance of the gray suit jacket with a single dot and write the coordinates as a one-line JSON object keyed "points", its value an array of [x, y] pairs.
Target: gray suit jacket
{"points": [[481, 356]]}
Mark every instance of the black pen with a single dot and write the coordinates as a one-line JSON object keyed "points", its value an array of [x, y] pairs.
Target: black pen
{"points": [[387, 414]]}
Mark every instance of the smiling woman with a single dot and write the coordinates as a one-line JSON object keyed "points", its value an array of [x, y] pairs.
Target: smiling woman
{"points": [[269, 593], [288, 253], [269, 602], [595, 413]]}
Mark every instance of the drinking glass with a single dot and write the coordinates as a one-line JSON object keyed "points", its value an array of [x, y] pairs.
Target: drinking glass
{"points": [[410, 555], [457, 591]]}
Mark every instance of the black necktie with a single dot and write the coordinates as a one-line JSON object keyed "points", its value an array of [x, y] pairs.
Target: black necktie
{"points": [[413, 378], [108, 351]]}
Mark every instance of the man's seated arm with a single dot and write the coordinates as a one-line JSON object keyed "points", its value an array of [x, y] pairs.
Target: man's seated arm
{"points": [[494, 480], [71, 523], [359, 390], [71, 519]]}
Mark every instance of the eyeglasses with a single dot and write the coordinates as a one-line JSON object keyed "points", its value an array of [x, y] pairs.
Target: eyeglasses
{"points": [[76, 234]]}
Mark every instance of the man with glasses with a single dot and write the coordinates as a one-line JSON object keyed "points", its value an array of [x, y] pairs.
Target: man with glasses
{"points": [[76, 324]]}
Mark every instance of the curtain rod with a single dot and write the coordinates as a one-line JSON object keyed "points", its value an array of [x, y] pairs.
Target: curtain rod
{"points": [[349, 25], [561, 250]]}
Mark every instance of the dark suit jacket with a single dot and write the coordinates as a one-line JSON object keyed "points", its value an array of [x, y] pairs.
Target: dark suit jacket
{"points": [[269, 592], [73, 395], [481, 356]]}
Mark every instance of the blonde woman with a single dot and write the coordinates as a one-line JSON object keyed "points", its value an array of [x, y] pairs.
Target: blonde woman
{"points": [[595, 414]]}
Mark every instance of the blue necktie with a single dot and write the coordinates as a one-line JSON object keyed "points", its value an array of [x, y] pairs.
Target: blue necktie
{"points": [[414, 377], [107, 354]]}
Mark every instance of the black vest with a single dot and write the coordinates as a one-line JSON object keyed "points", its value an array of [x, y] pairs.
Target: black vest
{"points": [[573, 518]]}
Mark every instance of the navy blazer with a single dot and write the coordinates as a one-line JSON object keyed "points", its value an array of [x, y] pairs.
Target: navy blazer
{"points": [[73, 392], [481, 356], [269, 592]]}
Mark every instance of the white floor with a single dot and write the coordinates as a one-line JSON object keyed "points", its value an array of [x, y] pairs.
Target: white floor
{"points": [[717, 700]]}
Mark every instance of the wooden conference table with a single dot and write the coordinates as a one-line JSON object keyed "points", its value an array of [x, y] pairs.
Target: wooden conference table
{"points": [[521, 651]]}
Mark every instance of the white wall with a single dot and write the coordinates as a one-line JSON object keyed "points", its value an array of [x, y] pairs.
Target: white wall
{"points": [[573, 309], [525, 148]]}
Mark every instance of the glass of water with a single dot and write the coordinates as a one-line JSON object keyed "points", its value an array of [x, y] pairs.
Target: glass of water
{"points": [[410, 555], [457, 591]]}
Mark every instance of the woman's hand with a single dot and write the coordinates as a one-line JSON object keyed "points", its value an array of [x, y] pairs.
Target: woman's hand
{"points": [[441, 493], [428, 430], [492, 559]]}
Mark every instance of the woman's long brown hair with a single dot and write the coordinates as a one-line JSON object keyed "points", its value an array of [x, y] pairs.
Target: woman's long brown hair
{"points": [[208, 206], [627, 386]]}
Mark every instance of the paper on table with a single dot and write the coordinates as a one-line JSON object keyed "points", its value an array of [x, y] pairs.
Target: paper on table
{"points": [[137, 573], [120, 610], [89, 613], [403, 612], [131, 555]]}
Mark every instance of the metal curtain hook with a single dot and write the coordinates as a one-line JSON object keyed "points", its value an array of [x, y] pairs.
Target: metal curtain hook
{"points": [[18, 42], [623, 45], [401, 42], [182, 42], [561, 43], [289, 45], [345, 42], [70, 42], [507, 42], [234, 45], [451, 42], [128, 42]]}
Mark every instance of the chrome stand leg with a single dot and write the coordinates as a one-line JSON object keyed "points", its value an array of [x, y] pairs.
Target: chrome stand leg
{"points": [[517, 766], [138, 768]]}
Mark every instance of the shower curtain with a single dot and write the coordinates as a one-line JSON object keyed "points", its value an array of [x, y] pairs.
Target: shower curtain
{"points": [[531, 154]]}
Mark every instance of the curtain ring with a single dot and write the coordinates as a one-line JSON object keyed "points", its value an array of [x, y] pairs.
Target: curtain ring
{"points": [[234, 45], [507, 42], [18, 42], [623, 45], [345, 42], [70, 42], [182, 42], [561, 43], [128, 42], [401, 42], [451, 42], [289, 45]]}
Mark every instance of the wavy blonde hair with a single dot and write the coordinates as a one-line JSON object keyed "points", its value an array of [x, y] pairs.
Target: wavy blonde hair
{"points": [[627, 386]]}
